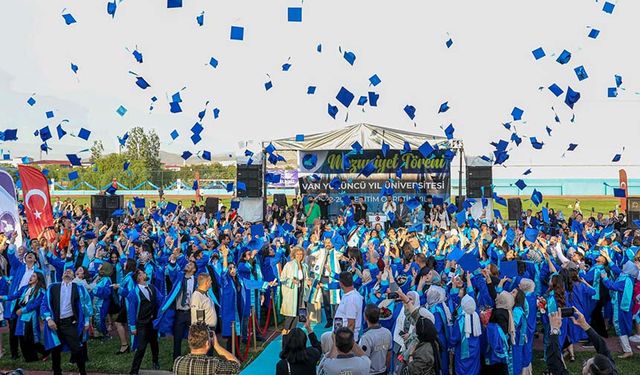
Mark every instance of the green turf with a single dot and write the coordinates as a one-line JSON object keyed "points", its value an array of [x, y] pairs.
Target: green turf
{"points": [[624, 366]]}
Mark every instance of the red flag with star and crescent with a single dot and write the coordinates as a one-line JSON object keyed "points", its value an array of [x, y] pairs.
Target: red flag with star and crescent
{"points": [[37, 202]]}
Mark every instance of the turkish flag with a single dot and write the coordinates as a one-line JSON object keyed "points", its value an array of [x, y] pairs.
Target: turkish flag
{"points": [[37, 202]]}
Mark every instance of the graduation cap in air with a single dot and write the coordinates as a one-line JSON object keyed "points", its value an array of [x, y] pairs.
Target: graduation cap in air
{"points": [[535, 143], [608, 7], [509, 269], [138, 202], [556, 90], [345, 97], [572, 146], [335, 183], [452, 208], [384, 149], [84, 134], [332, 110], [186, 155], [410, 111], [536, 197], [413, 203], [581, 73], [73, 175], [612, 92], [174, 134], [31, 101], [200, 19], [616, 158], [68, 19], [356, 147], [531, 234], [456, 253], [10, 135], [206, 155], [619, 193], [368, 169], [74, 159], [416, 228], [241, 186], [374, 80], [520, 184], [311, 90], [461, 217], [571, 97], [449, 131], [564, 57], [349, 56], [45, 134], [499, 200], [426, 149], [235, 204], [170, 207], [469, 262], [237, 33], [117, 213], [516, 113], [373, 98], [443, 107], [449, 43], [497, 214], [538, 53], [213, 62], [121, 111], [111, 190]]}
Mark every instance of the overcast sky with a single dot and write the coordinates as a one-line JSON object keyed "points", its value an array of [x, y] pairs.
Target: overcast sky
{"points": [[488, 70]]}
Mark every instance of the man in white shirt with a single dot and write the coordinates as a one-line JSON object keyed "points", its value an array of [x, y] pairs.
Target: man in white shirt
{"points": [[29, 262], [350, 307], [389, 207], [202, 308]]}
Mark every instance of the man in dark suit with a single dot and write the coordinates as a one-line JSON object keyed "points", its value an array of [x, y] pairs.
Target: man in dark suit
{"points": [[66, 319], [144, 301], [402, 212]]}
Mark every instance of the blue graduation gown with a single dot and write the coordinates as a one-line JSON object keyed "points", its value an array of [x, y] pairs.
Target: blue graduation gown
{"points": [[470, 364], [30, 312], [233, 304], [133, 307], [101, 294], [443, 335], [83, 308], [581, 299], [622, 302]]}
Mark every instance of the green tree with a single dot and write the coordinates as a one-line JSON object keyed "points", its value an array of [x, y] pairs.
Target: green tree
{"points": [[145, 147], [96, 151]]}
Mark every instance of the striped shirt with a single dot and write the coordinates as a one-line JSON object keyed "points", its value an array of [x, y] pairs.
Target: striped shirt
{"points": [[191, 364]]}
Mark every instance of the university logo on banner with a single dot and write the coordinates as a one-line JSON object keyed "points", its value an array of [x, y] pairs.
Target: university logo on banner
{"points": [[37, 202], [9, 217]]}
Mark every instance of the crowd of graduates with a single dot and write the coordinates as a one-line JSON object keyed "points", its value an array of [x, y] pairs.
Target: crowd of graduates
{"points": [[486, 285]]}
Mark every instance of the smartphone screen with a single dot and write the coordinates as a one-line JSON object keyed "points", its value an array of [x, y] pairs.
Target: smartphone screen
{"points": [[302, 315], [337, 324]]}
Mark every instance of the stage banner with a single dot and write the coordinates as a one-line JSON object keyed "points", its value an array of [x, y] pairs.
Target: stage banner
{"points": [[436, 185], [9, 218], [288, 178], [335, 161]]}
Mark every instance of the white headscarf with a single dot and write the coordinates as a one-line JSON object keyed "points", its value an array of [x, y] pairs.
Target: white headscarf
{"points": [[437, 295], [471, 318]]}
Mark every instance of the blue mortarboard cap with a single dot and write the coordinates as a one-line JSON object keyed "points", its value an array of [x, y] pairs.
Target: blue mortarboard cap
{"points": [[416, 228], [449, 43], [399, 171], [257, 230], [356, 147], [499, 200], [346, 200], [572, 146], [345, 97], [469, 262], [515, 138], [332, 110], [455, 254], [45, 134], [49, 114], [237, 33], [174, 134], [335, 183], [200, 19], [452, 208], [174, 3], [241, 186], [556, 90], [608, 7], [235, 204], [286, 67], [111, 190], [538, 53], [68, 18], [350, 57], [374, 80], [142, 83], [497, 214], [516, 113], [137, 55], [594, 33], [73, 175], [121, 111], [527, 172], [564, 57], [373, 98], [443, 107], [449, 131], [299, 137], [197, 128], [438, 201], [510, 236], [385, 149], [618, 79], [535, 143], [571, 98], [413, 203], [362, 100], [425, 149], [270, 149], [213, 62], [468, 203], [31, 101], [229, 187], [138, 202], [170, 207], [536, 197], [545, 215], [294, 14], [174, 107], [461, 217], [531, 234], [125, 166], [84, 134], [11, 134], [216, 113], [311, 90], [520, 184], [581, 73], [206, 155], [616, 158], [74, 159], [186, 155], [509, 269], [268, 85], [60, 131], [89, 235], [368, 169], [410, 111], [118, 212], [74, 68], [619, 193], [607, 231], [612, 92]]}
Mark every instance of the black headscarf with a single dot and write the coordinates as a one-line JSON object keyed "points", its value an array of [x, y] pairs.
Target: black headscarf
{"points": [[501, 318], [427, 333]]}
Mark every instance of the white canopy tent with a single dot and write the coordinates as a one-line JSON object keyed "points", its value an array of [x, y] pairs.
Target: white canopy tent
{"points": [[369, 136]]}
